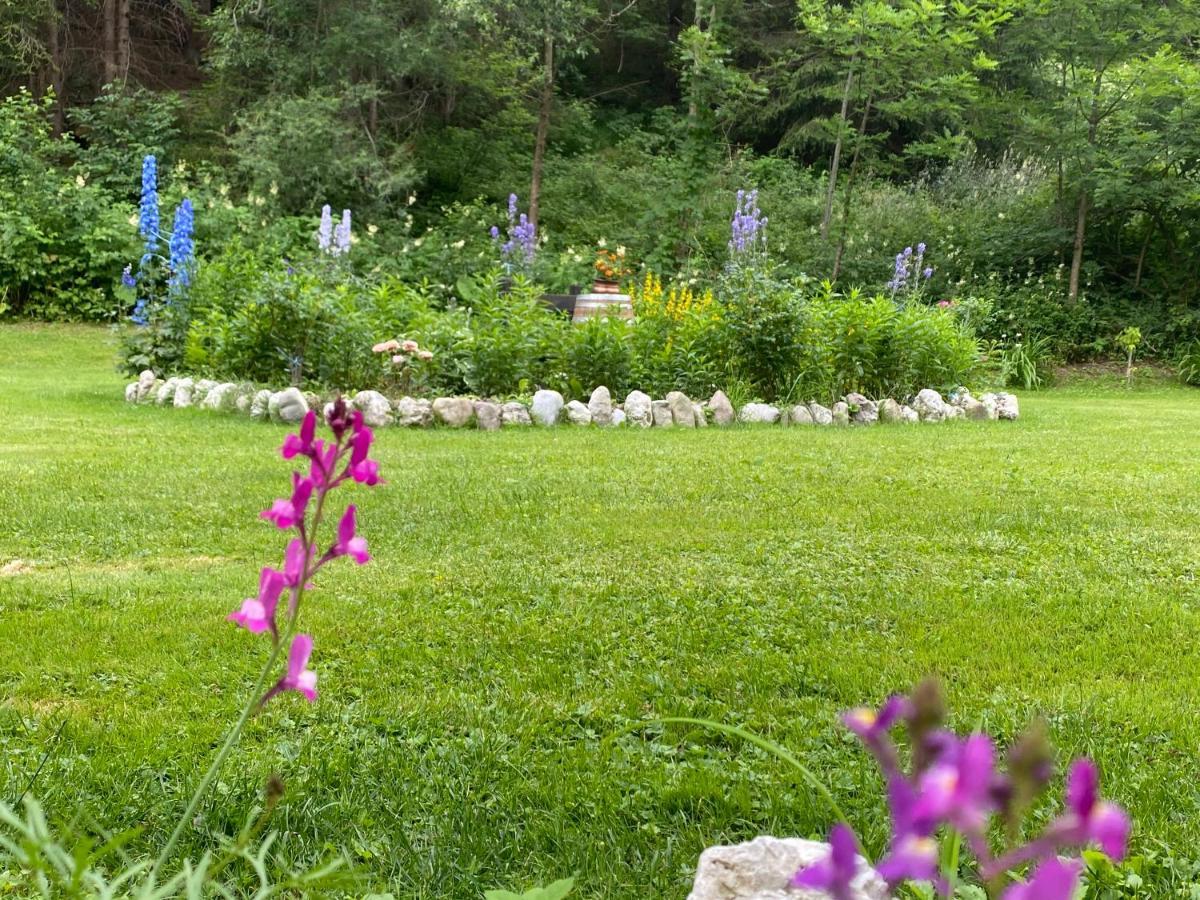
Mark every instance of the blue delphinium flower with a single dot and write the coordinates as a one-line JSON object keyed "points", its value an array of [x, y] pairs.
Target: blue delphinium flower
{"points": [[908, 264], [182, 247], [127, 278], [148, 209], [325, 231], [748, 229], [140, 315], [341, 235], [521, 247]]}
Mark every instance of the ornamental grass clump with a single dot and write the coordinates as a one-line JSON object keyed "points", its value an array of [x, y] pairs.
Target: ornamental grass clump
{"points": [[954, 788]]}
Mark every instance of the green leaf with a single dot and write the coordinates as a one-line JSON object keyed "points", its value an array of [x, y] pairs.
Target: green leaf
{"points": [[555, 891]]}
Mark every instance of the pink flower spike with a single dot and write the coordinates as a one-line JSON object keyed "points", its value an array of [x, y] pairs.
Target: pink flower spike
{"points": [[293, 563], [294, 445], [366, 472], [1088, 819], [301, 492], [348, 543], [282, 513], [363, 436], [1055, 879], [298, 677], [257, 614]]}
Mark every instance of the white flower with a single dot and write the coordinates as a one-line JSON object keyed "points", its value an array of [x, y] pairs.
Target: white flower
{"points": [[601, 243], [620, 251], [412, 198], [133, 220], [418, 242], [80, 181], [575, 257], [273, 189], [458, 245], [372, 229]]}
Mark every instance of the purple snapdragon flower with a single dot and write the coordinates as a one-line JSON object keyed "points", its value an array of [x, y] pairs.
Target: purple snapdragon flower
{"points": [[835, 874]]}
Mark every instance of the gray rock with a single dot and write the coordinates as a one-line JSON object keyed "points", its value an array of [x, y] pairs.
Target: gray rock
{"points": [[618, 418], [682, 413], [578, 414], [601, 407], [131, 392], [661, 411], [955, 412], [973, 408], [244, 399], [762, 869], [889, 410], [376, 409], [166, 391], [638, 409], [183, 393], [991, 406], [821, 415], [546, 407], [413, 413], [699, 415], [454, 412], [800, 415], [200, 391], [222, 398], [959, 397], [862, 410], [514, 413], [259, 404], [487, 415], [908, 415], [930, 406], [145, 385], [1007, 407], [758, 413], [841, 413], [722, 409], [288, 406]]}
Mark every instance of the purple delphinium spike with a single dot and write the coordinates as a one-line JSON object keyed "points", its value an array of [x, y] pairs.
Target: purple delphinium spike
{"points": [[341, 235], [325, 231], [520, 248]]}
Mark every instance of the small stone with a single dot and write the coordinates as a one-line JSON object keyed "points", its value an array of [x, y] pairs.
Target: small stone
{"points": [[183, 393], [1007, 407], [908, 415], [955, 412], [618, 418], [800, 415], [682, 413], [413, 413], [578, 414], [722, 409], [131, 392], [600, 406], [699, 416], [145, 384], [242, 404], [930, 406], [166, 391], [862, 410], [221, 398], [514, 413], [638, 409], [889, 410], [546, 407], [959, 397], [313, 401], [661, 411], [487, 415], [841, 413], [762, 869], [376, 409], [821, 415], [454, 412], [991, 406], [757, 413], [288, 406], [973, 408], [200, 391], [259, 404]]}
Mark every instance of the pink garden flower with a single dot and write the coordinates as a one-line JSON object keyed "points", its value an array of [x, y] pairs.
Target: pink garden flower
{"points": [[257, 614], [835, 874], [294, 445], [1055, 879], [348, 543], [298, 676], [410, 346], [386, 347]]}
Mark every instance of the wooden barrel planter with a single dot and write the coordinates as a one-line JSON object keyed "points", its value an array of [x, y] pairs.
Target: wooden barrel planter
{"points": [[591, 306]]}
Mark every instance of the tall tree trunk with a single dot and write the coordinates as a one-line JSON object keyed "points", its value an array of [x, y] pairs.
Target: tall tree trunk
{"points": [[1141, 263], [1077, 253], [848, 193], [827, 215], [543, 128], [108, 13], [56, 81], [123, 43]]}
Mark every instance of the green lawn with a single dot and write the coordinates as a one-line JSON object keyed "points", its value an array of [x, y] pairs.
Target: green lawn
{"points": [[534, 591]]}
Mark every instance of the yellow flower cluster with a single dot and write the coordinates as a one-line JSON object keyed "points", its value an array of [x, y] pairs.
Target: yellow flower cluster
{"points": [[650, 299]]}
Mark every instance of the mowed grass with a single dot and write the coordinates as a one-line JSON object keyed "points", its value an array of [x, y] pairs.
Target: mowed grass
{"points": [[535, 591]]}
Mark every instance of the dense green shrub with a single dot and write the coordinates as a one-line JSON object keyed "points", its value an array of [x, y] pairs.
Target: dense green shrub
{"points": [[63, 241]]}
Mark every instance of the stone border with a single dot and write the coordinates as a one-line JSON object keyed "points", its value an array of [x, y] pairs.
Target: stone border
{"points": [[639, 410]]}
